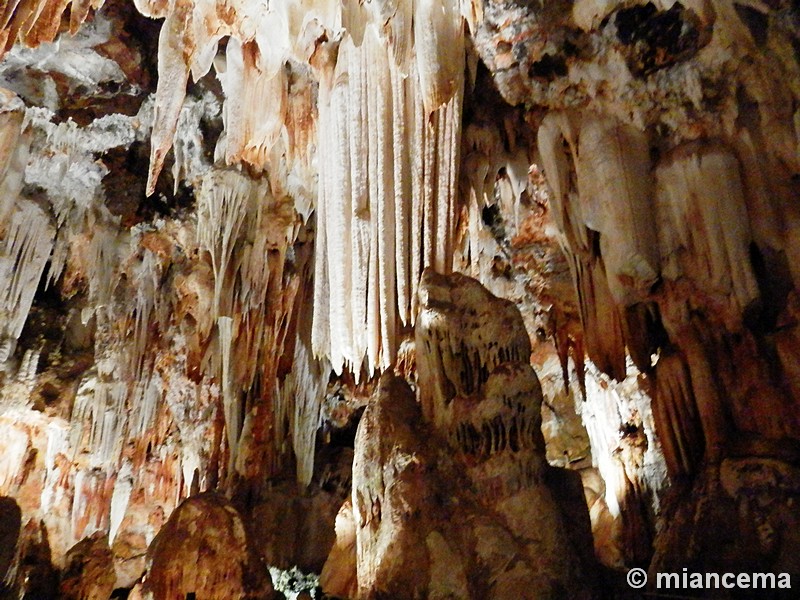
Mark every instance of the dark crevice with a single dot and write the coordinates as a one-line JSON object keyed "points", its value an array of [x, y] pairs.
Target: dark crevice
{"points": [[656, 39], [756, 21]]}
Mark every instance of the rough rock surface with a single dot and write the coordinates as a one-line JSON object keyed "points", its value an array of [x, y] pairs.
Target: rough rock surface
{"points": [[296, 529], [211, 212], [89, 571], [749, 502], [204, 551], [406, 488], [339, 576]]}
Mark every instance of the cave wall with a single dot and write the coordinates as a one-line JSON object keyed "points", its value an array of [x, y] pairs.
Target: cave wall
{"points": [[212, 215]]}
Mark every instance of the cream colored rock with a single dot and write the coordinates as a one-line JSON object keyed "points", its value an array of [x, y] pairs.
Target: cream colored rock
{"points": [[704, 232], [462, 334], [483, 396], [406, 489], [339, 576]]}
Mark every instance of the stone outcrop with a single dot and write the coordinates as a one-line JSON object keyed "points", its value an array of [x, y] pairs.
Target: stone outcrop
{"points": [[407, 487], [480, 393], [339, 576], [89, 571], [294, 529], [205, 551], [748, 501], [473, 446]]}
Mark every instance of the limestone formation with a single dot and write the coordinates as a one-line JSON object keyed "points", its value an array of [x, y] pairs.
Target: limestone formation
{"points": [[205, 551], [407, 487], [89, 571], [223, 223]]}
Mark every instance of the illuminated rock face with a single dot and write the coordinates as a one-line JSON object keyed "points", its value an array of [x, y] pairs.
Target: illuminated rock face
{"points": [[214, 215], [480, 453], [407, 490], [204, 550]]}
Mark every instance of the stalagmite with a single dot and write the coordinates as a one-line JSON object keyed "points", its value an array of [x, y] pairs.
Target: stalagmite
{"points": [[461, 346], [478, 390], [217, 560]]}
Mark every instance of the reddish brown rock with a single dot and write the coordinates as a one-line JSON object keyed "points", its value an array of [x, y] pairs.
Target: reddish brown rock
{"points": [[295, 529], [739, 516], [204, 550], [89, 572]]}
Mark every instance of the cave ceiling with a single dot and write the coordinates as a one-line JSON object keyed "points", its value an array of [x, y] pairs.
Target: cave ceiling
{"points": [[315, 265]]}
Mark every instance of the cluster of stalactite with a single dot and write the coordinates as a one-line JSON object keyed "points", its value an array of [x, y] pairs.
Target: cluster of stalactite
{"points": [[208, 336], [678, 226], [355, 151]]}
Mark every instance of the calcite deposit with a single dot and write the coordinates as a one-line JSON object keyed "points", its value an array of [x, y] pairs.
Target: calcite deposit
{"points": [[413, 294]]}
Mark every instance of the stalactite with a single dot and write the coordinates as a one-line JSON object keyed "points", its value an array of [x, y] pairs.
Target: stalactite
{"points": [[402, 191], [301, 396], [171, 90], [675, 413], [713, 414], [615, 189], [255, 111], [379, 144], [25, 249], [339, 203], [13, 155], [34, 23], [123, 485], [384, 197], [439, 40], [557, 141], [224, 200], [704, 234], [147, 276], [416, 131], [230, 398]]}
